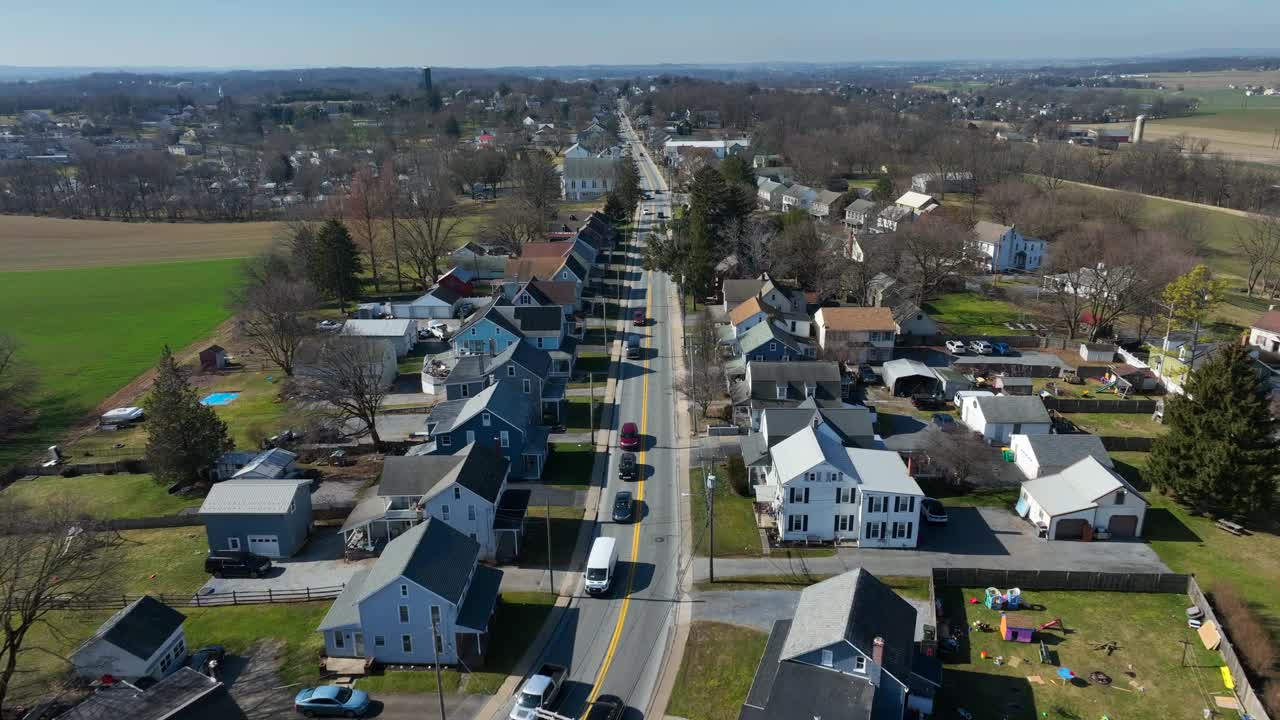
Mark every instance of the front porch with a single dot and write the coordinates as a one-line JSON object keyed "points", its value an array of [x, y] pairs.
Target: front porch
{"points": [[371, 525]]}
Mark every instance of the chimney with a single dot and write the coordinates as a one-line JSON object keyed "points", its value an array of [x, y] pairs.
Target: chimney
{"points": [[877, 650]]}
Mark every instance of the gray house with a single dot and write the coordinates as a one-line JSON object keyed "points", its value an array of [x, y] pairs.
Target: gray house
{"points": [[786, 384], [494, 418], [851, 651], [524, 367], [853, 425], [270, 464], [142, 639], [425, 586], [267, 517]]}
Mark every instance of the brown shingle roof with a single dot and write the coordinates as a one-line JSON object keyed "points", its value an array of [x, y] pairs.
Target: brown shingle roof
{"points": [[536, 250], [1270, 321], [560, 292], [853, 319], [530, 268], [746, 309]]}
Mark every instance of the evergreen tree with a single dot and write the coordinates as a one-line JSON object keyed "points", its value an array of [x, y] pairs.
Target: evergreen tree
{"points": [[884, 191], [627, 186], [737, 171], [452, 128], [334, 265], [615, 210], [184, 438], [1220, 455]]}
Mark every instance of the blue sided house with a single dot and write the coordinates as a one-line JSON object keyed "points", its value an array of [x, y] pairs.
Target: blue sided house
{"points": [[500, 417]]}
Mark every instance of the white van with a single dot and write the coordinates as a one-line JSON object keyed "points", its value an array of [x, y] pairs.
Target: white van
{"points": [[600, 565]]}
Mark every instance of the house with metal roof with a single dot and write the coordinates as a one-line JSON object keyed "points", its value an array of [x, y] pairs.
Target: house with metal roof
{"points": [[854, 649], [144, 639], [402, 333], [496, 418], [264, 516], [1085, 501], [819, 490], [461, 490], [425, 600], [1001, 416], [270, 464]]}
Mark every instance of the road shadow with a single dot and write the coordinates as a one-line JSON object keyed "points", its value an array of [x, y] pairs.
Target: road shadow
{"points": [[640, 576], [1161, 524], [966, 533], [633, 368]]}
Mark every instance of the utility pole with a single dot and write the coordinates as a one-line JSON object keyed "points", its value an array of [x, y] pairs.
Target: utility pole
{"points": [[435, 655], [551, 576], [711, 522], [591, 406]]}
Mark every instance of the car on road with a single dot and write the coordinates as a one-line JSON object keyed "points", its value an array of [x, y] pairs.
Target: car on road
{"points": [[628, 468], [981, 347], [933, 512], [925, 401], [945, 422], [236, 563], [638, 319], [867, 375], [633, 347], [539, 692], [331, 701], [629, 437], [623, 505], [606, 707], [956, 347], [662, 215], [208, 660]]}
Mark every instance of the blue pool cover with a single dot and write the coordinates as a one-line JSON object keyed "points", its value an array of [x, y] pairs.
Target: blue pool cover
{"points": [[219, 398]]}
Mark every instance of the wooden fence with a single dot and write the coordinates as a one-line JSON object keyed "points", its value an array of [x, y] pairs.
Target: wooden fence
{"points": [[1072, 405], [1249, 701], [1062, 580], [253, 597], [1117, 443]]}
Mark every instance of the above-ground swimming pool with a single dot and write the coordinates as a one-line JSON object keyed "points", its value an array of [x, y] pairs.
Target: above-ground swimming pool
{"points": [[219, 398]]}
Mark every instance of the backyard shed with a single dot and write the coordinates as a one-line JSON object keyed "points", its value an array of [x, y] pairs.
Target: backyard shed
{"points": [[142, 639], [1013, 385], [909, 377], [951, 381], [213, 357], [267, 517], [1097, 352]]}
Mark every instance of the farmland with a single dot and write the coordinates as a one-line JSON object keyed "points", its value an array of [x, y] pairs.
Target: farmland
{"points": [[1235, 125]]}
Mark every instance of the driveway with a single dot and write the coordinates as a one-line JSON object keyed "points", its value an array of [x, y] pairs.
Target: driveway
{"points": [[991, 538], [320, 564]]}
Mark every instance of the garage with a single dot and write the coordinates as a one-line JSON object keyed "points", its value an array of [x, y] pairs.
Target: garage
{"points": [[905, 378], [1123, 526], [268, 545], [1070, 529]]}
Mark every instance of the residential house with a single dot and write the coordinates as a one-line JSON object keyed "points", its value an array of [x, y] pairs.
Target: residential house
{"points": [[751, 312], [1087, 500], [182, 694], [859, 213], [570, 268], [1039, 455], [425, 601], [824, 201], [525, 369], [798, 197], [735, 291], [587, 178], [853, 424], [544, 293], [777, 173], [477, 263], [918, 203], [1264, 334], [672, 149], [270, 464], [438, 303], [929, 183], [144, 639], [459, 490], [312, 358], [999, 417], [856, 334], [786, 384], [498, 325], [893, 217], [854, 650], [769, 193], [821, 491], [766, 342], [576, 151], [1002, 248], [760, 161], [912, 320], [496, 417], [401, 333], [268, 517]]}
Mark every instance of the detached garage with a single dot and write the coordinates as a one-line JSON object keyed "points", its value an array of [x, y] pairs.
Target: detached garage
{"points": [[905, 378], [1085, 501], [267, 517]]}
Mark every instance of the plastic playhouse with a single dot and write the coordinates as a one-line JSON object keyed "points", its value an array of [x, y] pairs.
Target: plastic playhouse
{"points": [[1010, 600], [1017, 628]]}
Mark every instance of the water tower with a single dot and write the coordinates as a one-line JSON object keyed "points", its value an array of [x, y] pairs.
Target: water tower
{"points": [[1139, 125]]}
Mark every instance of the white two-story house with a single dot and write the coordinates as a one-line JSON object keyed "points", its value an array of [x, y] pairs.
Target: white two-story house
{"points": [[1002, 247], [821, 491]]}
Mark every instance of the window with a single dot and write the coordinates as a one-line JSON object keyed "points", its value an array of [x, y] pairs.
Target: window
{"points": [[874, 503], [812, 477], [485, 419], [435, 615], [798, 523], [379, 641], [473, 332], [782, 392], [504, 439], [404, 590], [539, 342], [466, 390], [1119, 497], [457, 493], [528, 386], [808, 390], [179, 649], [875, 531], [439, 645], [471, 436], [404, 614], [773, 347], [233, 543], [860, 663], [406, 643], [828, 658], [444, 513], [471, 512], [511, 371]]}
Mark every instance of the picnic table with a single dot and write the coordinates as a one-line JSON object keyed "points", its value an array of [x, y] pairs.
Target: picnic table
{"points": [[1231, 527]]}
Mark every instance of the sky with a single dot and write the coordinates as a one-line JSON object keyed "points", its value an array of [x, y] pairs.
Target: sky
{"points": [[382, 33]]}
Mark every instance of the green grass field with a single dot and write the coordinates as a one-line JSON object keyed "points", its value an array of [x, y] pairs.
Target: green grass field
{"points": [[969, 314], [716, 672], [736, 532], [91, 331], [103, 496]]}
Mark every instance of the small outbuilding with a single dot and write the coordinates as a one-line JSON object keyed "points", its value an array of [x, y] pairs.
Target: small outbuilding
{"points": [[1003, 415], [1037, 455], [1097, 352], [905, 378], [1013, 385], [267, 517], [213, 358], [402, 333], [1085, 501], [144, 639], [951, 381]]}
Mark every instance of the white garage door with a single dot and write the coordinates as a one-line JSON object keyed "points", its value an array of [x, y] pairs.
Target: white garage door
{"points": [[268, 545]]}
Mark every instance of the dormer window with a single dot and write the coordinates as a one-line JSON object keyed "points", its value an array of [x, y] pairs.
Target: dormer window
{"points": [[808, 390], [782, 392], [485, 419], [828, 658], [1120, 495], [860, 663]]}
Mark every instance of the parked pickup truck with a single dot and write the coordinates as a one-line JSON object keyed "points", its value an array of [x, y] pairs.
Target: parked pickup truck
{"points": [[538, 692]]}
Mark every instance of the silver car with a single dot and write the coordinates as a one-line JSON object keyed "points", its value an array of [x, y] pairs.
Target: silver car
{"points": [[955, 347]]}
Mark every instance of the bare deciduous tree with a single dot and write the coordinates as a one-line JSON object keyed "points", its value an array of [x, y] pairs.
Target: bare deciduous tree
{"points": [[933, 248], [17, 385], [1258, 240], [703, 378], [513, 225], [429, 221], [272, 309], [362, 208], [962, 453], [51, 557], [344, 386]]}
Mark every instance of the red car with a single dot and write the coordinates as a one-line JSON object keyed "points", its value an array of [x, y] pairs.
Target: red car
{"points": [[629, 438], [637, 318]]}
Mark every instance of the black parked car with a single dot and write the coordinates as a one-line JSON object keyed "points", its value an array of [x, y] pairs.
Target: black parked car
{"points": [[606, 707], [236, 563], [622, 506], [923, 401], [628, 468], [867, 375]]}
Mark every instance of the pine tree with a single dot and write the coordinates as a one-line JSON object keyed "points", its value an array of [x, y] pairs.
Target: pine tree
{"points": [[615, 210], [1220, 455], [334, 264], [184, 438], [452, 128], [883, 191], [737, 171], [627, 187]]}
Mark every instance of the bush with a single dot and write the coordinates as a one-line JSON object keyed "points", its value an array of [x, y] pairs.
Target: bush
{"points": [[737, 471], [133, 467], [1248, 634], [69, 471]]}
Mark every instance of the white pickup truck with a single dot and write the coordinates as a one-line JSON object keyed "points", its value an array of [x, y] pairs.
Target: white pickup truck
{"points": [[538, 692]]}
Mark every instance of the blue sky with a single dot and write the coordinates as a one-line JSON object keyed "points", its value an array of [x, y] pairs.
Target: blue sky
{"points": [[298, 33]]}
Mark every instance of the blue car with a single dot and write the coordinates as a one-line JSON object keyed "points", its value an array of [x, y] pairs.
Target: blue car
{"points": [[1000, 348], [331, 701]]}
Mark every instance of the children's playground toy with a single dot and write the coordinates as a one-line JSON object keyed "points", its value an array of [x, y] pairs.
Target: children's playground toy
{"points": [[1017, 628], [1054, 623], [1109, 383], [1010, 600]]}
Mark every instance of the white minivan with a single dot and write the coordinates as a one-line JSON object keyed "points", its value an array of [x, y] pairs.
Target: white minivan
{"points": [[600, 565]]}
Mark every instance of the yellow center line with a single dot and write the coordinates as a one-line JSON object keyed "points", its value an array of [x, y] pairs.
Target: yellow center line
{"points": [[635, 534]]}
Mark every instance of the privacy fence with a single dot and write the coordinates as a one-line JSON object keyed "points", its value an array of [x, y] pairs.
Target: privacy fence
{"points": [[253, 597]]}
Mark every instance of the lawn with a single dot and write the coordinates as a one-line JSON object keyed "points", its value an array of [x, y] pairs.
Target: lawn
{"points": [[520, 617], [242, 626], [716, 672], [592, 362], [1149, 630], [103, 496], [953, 495], [90, 331], [1117, 424], [163, 561], [966, 313], [566, 523], [578, 415], [736, 532], [569, 465], [422, 680]]}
